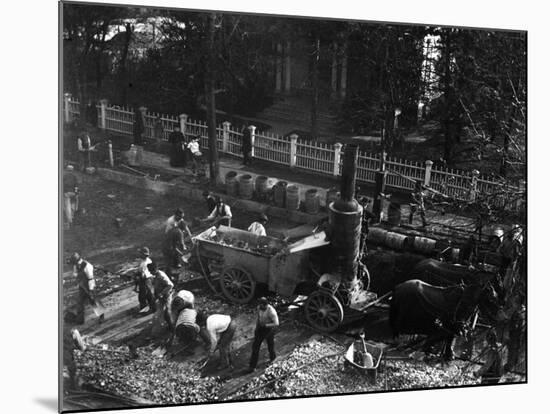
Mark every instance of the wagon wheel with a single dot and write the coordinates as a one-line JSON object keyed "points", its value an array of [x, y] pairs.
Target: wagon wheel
{"points": [[237, 285], [324, 311]]}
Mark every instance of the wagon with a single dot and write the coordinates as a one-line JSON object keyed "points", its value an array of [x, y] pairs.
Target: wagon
{"points": [[243, 261]]}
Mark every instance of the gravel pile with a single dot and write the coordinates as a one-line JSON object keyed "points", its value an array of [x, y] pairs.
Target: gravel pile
{"points": [[332, 376], [154, 379]]}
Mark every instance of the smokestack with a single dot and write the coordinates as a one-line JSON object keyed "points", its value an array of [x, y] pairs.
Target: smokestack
{"points": [[345, 220]]}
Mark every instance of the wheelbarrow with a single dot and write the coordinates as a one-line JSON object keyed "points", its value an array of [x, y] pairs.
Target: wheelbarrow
{"points": [[364, 357]]}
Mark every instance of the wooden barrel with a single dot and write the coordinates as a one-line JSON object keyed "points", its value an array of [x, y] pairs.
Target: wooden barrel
{"points": [[377, 235], [394, 214], [312, 201], [279, 193], [332, 195], [424, 244], [395, 241], [245, 186], [260, 186], [231, 183], [292, 197]]}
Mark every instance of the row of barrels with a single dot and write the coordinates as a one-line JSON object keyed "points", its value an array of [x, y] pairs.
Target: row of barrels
{"points": [[284, 195], [398, 241]]}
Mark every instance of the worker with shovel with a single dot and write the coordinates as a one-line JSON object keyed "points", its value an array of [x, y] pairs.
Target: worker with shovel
{"points": [[84, 273], [217, 331], [164, 289], [144, 283], [174, 248]]}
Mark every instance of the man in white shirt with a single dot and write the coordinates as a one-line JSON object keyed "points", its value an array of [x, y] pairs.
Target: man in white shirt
{"points": [[218, 330], [84, 273], [266, 324], [173, 220], [221, 214], [163, 292], [196, 154], [258, 226], [144, 283]]}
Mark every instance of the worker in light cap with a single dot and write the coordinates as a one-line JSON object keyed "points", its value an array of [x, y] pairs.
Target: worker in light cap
{"points": [[258, 226]]}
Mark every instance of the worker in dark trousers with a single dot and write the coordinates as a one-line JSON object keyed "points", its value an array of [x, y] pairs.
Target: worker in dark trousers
{"points": [[218, 331], [144, 283], [71, 340], [266, 325], [174, 247], [186, 329], [210, 201], [84, 273], [417, 204]]}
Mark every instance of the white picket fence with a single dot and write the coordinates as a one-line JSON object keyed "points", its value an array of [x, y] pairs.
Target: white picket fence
{"points": [[306, 155]]}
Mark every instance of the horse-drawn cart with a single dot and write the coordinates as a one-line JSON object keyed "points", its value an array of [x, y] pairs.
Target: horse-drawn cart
{"points": [[240, 261]]}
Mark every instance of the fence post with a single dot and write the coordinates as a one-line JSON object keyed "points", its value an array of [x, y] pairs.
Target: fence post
{"points": [[337, 155], [183, 123], [66, 100], [428, 172], [252, 137], [293, 145], [111, 158], [473, 186], [103, 104], [225, 144]]}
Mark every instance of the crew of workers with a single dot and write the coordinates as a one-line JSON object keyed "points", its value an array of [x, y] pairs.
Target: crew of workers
{"points": [[156, 290]]}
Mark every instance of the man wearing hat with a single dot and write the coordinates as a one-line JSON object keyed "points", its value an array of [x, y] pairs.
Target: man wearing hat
{"points": [[210, 201], [144, 282], [266, 324], [221, 214], [258, 226], [84, 273]]}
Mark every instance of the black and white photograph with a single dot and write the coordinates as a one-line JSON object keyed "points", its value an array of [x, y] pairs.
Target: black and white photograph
{"points": [[259, 206]]}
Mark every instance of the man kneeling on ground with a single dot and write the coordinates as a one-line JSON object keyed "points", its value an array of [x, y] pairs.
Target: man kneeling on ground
{"points": [[217, 331]]}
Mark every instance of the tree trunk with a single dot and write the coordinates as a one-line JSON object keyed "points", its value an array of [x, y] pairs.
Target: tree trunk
{"points": [[211, 103], [123, 73], [315, 86], [447, 92]]}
